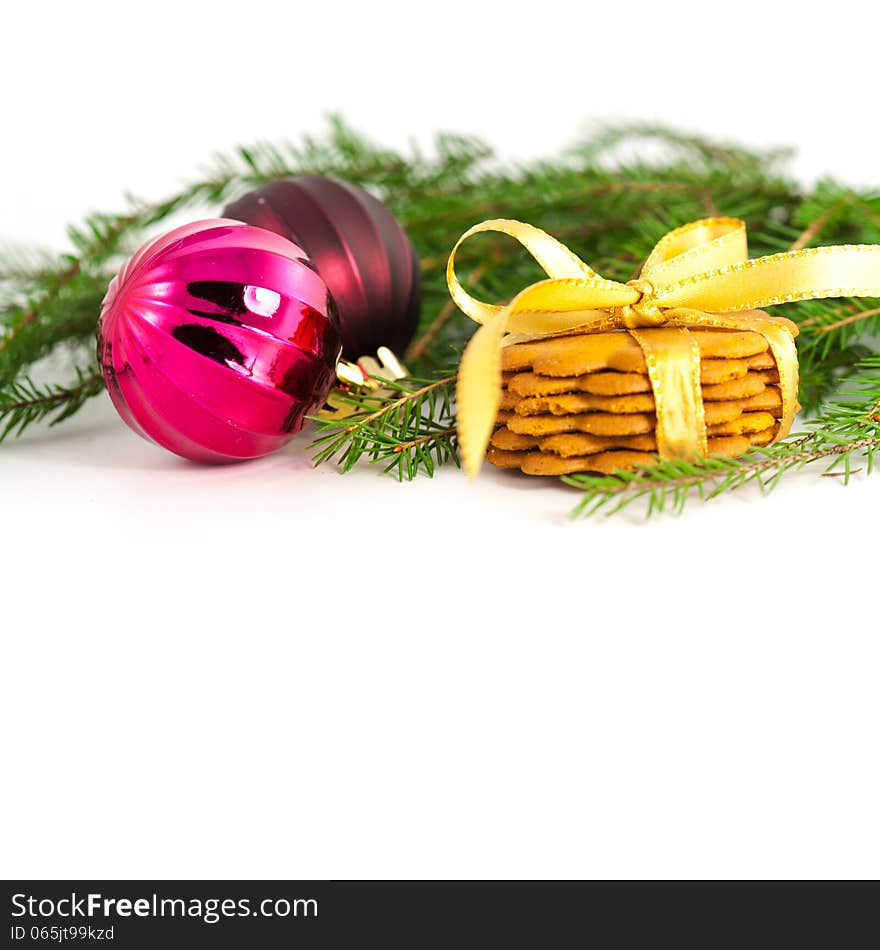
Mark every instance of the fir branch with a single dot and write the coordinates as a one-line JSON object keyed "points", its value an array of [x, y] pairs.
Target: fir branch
{"points": [[847, 429], [24, 264], [23, 402], [63, 312], [408, 428], [815, 227], [55, 282], [834, 316], [696, 152]]}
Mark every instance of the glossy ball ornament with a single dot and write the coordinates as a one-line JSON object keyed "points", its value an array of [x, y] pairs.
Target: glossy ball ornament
{"points": [[217, 339], [357, 246]]}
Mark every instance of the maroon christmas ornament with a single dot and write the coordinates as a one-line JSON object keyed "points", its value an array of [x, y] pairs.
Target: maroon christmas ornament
{"points": [[357, 246]]}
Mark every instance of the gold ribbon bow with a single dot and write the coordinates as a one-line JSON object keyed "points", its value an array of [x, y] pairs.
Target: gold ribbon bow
{"points": [[698, 275]]}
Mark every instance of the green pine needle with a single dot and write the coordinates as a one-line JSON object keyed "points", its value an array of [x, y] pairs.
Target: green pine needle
{"points": [[24, 402], [408, 430], [846, 432]]}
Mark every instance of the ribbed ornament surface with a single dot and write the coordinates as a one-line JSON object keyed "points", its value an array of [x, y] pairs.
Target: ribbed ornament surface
{"points": [[216, 340]]}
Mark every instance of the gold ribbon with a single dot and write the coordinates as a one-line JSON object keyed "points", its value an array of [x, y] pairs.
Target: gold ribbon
{"points": [[698, 275]]}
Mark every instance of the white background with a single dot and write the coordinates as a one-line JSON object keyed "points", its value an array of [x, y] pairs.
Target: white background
{"points": [[271, 671]]}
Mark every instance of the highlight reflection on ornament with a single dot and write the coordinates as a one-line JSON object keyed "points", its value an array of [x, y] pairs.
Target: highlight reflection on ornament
{"points": [[217, 339]]}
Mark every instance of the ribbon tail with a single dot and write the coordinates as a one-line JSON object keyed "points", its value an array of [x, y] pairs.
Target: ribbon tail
{"points": [[779, 334], [478, 391], [782, 346], [848, 270], [673, 359]]}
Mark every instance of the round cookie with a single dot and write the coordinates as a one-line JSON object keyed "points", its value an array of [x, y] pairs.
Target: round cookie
{"points": [[606, 455], [502, 459], [714, 372], [508, 400], [576, 403], [590, 352], [509, 441], [602, 383], [597, 423], [536, 463], [749, 385], [573, 444], [570, 403], [763, 360], [613, 383], [770, 400], [747, 422]]}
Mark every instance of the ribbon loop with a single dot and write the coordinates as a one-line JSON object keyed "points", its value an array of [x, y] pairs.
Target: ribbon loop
{"points": [[553, 256], [698, 275]]}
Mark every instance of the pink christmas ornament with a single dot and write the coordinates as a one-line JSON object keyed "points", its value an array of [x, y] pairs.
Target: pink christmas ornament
{"points": [[217, 339]]}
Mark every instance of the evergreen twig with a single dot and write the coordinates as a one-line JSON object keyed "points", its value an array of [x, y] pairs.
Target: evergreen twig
{"points": [[24, 402], [409, 428], [847, 429]]}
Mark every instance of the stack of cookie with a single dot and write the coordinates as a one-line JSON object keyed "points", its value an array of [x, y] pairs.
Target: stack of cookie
{"points": [[584, 403]]}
